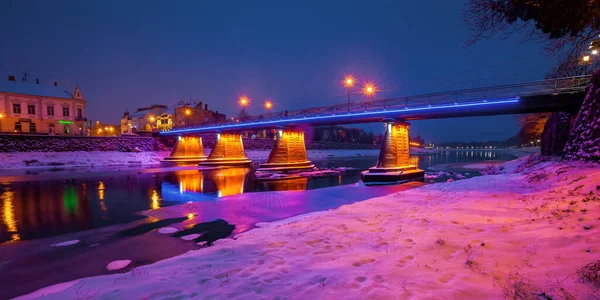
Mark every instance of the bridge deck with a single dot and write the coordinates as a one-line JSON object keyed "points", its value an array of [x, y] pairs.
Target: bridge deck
{"points": [[561, 94]]}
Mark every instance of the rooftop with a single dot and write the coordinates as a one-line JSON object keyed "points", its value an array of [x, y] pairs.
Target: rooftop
{"points": [[33, 89]]}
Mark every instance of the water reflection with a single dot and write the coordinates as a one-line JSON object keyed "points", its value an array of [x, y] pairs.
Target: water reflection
{"points": [[32, 210], [229, 181], [8, 214]]}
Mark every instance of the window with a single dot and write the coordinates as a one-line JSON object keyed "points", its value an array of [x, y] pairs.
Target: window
{"points": [[16, 108], [66, 128], [31, 109], [51, 128], [50, 110], [18, 127], [79, 113], [65, 111], [164, 121], [31, 127]]}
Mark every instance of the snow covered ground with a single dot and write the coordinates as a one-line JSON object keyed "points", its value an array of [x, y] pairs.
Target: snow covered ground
{"points": [[523, 232], [33, 160]]}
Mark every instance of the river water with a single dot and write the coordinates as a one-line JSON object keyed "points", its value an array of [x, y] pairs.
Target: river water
{"points": [[43, 208]]}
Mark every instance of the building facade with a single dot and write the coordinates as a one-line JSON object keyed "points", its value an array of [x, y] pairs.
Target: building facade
{"points": [[43, 109], [189, 115], [142, 120]]}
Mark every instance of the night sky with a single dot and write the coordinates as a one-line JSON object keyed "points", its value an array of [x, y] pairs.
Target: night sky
{"points": [[126, 55]]}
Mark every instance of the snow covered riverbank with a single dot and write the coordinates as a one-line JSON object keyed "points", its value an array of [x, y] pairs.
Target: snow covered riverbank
{"points": [[486, 237], [38, 160]]}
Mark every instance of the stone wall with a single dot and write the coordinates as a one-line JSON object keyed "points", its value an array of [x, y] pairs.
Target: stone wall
{"points": [[584, 139], [556, 133], [35, 143]]}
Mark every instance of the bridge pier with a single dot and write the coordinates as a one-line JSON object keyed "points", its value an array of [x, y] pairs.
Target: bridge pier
{"points": [[393, 164], [188, 149], [288, 154], [228, 151]]}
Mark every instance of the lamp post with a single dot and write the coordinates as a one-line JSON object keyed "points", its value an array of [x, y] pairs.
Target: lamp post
{"points": [[369, 90], [268, 106], [1, 117], [243, 102], [349, 82], [188, 112], [152, 119]]}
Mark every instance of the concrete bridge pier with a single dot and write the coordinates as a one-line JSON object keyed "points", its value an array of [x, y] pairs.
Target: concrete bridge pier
{"points": [[228, 151], [393, 164], [188, 149], [288, 154]]}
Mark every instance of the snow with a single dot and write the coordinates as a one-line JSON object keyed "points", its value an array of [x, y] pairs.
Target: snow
{"points": [[33, 160], [48, 290], [467, 239], [476, 166], [118, 264], [65, 243], [190, 237], [167, 230]]}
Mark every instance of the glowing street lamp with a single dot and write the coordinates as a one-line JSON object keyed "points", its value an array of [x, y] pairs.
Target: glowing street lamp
{"points": [[586, 58], [369, 89], [243, 101], [349, 82], [268, 106]]}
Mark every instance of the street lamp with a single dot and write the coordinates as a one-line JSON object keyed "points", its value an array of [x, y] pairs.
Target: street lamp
{"points": [[1, 116], [369, 89], [188, 112], [243, 101], [349, 82], [268, 106]]}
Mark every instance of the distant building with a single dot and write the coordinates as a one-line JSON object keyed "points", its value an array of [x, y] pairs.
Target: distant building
{"points": [[37, 108], [162, 118], [142, 120], [190, 115]]}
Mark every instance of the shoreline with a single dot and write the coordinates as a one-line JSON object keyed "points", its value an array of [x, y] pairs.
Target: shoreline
{"points": [[467, 239]]}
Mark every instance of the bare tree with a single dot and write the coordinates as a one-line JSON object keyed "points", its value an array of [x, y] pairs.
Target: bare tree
{"points": [[567, 26]]}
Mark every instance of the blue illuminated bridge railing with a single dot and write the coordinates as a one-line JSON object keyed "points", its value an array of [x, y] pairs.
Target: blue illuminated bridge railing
{"points": [[453, 103]]}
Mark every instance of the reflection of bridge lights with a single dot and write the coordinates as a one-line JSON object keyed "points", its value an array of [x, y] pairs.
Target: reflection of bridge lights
{"points": [[8, 214], [155, 200], [101, 190]]}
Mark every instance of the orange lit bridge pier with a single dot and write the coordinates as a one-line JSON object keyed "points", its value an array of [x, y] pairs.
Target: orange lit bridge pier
{"points": [[560, 94], [188, 149]]}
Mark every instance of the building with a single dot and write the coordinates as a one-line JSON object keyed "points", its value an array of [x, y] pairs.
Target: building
{"points": [[38, 108], [142, 120], [190, 115], [162, 118]]}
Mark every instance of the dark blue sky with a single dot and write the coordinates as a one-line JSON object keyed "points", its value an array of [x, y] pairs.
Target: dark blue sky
{"points": [[129, 54]]}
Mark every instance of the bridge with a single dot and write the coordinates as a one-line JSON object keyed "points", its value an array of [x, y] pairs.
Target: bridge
{"points": [[289, 153]]}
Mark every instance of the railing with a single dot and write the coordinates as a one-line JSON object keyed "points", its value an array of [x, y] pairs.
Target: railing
{"points": [[543, 87]]}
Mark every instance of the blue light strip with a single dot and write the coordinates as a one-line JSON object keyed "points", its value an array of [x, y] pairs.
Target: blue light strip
{"points": [[241, 126]]}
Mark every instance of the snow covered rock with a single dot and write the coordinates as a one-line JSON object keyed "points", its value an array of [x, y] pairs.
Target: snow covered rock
{"points": [[167, 230], [118, 264], [584, 140]]}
